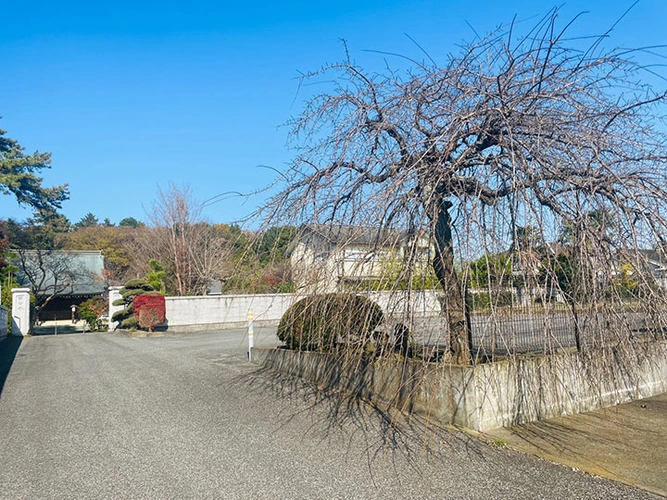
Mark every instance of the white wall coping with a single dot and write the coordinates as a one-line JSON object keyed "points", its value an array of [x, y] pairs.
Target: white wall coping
{"points": [[222, 296]]}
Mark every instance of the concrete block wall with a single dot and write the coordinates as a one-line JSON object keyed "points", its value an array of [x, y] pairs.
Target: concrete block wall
{"points": [[490, 395], [538, 387]]}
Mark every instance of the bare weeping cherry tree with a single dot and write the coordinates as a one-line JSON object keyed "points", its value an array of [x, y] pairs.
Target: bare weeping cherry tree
{"points": [[513, 131]]}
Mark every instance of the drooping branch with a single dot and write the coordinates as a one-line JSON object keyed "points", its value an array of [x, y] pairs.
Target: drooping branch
{"points": [[531, 130]]}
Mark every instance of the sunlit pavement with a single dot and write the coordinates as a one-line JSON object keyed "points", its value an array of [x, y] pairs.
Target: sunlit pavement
{"points": [[186, 416], [627, 442]]}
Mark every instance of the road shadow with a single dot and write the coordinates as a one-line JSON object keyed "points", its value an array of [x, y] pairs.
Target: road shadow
{"points": [[56, 330], [391, 437], [8, 351]]}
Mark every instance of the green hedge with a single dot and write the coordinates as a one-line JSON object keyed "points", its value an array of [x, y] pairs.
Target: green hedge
{"points": [[484, 300]]}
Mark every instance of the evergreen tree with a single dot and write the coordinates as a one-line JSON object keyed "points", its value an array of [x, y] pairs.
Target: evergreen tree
{"points": [[88, 220], [18, 177], [130, 222]]}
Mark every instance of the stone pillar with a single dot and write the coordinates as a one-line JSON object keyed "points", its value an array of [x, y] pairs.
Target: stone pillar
{"points": [[20, 311], [114, 294]]}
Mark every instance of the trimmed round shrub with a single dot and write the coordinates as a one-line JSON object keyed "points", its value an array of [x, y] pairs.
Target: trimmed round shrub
{"points": [[320, 322], [138, 284]]}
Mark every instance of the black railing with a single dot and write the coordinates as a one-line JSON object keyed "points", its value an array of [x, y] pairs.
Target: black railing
{"points": [[536, 330]]}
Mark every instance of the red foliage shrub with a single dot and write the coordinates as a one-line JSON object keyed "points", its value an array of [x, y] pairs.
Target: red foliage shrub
{"points": [[150, 310]]}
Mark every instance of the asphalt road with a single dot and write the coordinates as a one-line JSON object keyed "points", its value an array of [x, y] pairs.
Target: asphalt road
{"points": [[186, 416]]}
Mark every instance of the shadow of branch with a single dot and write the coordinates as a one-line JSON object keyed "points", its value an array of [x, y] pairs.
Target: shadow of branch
{"points": [[391, 437]]}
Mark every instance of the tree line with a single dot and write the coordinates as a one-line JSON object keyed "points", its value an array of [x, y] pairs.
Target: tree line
{"points": [[177, 249], [526, 126]]}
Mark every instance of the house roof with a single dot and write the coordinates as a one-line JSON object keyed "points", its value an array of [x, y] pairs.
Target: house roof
{"points": [[657, 256], [353, 235], [69, 272]]}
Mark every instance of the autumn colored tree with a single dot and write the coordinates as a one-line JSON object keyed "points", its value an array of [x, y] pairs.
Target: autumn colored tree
{"points": [[116, 244]]}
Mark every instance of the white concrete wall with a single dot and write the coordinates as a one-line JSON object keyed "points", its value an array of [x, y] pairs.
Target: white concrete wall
{"points": [[4, 313], [225, 310], [220, 311], [423, 303]]}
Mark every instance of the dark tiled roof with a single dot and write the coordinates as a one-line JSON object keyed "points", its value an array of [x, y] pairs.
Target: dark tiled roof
{"points": [[80, 269]]}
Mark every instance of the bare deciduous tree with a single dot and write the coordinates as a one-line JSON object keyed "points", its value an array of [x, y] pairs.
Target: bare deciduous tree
{"points": [[43, 265], [179, 238], [51, 273], [514, 131]]}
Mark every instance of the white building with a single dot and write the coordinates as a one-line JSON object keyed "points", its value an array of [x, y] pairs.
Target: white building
{"points": [[329, 258]]}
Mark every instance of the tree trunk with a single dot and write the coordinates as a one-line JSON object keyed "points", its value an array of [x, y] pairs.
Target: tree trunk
{"points": [[455, 306]]}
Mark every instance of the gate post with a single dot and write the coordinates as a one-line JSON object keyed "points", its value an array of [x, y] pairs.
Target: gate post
{"points": [[20, 311]]}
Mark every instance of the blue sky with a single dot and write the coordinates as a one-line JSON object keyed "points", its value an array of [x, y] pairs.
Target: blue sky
{"points": [[131, 95]]}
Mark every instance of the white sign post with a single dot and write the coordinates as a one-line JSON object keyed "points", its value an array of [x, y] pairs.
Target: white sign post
{"points": [[251, 339]]}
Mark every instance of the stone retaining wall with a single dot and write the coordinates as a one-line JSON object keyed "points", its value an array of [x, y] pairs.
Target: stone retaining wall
{"points": [[492, 395]]}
